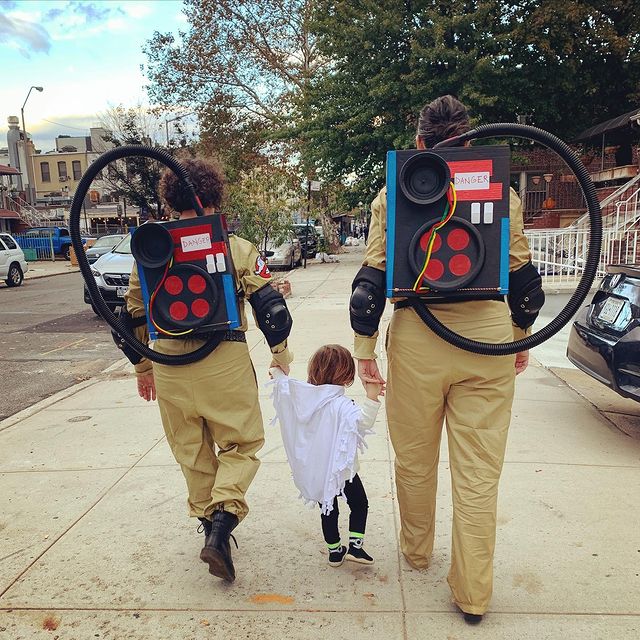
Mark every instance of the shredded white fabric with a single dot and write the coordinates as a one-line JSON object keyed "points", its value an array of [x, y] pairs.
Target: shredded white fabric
{"points": [[322, 431]]}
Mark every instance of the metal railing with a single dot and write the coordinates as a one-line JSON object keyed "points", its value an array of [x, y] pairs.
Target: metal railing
{"points": [[36, 245], [28, 214], [560, 254]]}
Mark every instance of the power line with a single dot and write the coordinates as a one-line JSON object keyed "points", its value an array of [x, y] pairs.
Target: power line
{"points": [[65, 125]]}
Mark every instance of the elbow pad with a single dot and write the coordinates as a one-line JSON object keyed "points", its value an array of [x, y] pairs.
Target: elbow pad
{"points": [[367, 300], [272, 314], [526, 296], [131, 323]]}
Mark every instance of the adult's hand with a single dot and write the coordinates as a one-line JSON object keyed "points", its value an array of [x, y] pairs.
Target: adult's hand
{"points": [[368, 372], [522, 361], [146, 386], [283, 367]]}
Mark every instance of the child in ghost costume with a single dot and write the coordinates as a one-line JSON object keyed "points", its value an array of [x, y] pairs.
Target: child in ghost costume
{"points": [[322, 431]]}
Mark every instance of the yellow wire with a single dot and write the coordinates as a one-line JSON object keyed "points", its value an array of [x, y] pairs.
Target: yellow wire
{"points": [[445, 218]]}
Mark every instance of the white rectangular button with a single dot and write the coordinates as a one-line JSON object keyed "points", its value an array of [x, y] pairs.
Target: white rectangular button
{"points": [[488, 212], [475, 213], [211, 264], [220, 263]]}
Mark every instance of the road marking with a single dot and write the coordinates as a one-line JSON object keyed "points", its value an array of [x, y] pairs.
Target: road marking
{"points": [[65, 346]]}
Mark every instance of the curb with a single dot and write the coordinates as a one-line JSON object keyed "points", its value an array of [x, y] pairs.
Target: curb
{"points": [[44, 404], [49, 275]]}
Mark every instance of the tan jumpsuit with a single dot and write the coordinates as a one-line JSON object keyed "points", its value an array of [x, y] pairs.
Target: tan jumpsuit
{"points": [[431, 382], [209, 409]]}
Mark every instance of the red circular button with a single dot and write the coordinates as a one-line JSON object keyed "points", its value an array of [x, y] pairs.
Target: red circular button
{"points": [[200, 308], [424, 241], [458, 239], [435, 270], [459, 265], [178, 310], [173, 285], [196, 284]]}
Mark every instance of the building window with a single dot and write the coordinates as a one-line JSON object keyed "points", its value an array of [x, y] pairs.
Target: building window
{"points": [[77, 171], [44, 171], [62, 170]]}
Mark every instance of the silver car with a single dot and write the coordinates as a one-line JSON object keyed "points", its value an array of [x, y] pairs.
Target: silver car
{"points": [[103, 245], [287, 255]]}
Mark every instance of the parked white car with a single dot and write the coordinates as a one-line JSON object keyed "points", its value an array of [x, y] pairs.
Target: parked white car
{"points": [[112, 271], [13, 266]]}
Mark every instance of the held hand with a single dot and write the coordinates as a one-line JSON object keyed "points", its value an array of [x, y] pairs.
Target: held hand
{"points": [[522, 360], [368, 372], [283, 367], [147, 386], [374, 390]]}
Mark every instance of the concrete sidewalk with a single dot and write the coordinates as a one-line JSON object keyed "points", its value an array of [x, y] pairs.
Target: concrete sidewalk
{"points": [[95, 542], [46, 268]]}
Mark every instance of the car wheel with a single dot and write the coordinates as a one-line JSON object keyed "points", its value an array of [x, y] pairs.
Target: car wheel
{"points": [[15, 276], [66, 252]]}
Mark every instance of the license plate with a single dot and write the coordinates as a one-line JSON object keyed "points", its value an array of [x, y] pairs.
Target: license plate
{"points": [[610, 310], [120, 291]]}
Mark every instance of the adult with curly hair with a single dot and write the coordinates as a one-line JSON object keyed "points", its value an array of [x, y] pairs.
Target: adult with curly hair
{"points": [[209, 409]]}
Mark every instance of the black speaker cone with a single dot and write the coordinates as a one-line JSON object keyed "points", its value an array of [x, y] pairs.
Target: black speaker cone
{"points": [[152, 245], [425, 178]]}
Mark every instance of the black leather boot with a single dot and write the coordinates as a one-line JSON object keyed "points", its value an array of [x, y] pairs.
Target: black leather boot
{"points": [[205, 526], [217, 550]]}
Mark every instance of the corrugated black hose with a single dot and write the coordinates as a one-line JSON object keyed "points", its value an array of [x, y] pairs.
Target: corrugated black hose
{"points": [[114, 322], [595, 219]]}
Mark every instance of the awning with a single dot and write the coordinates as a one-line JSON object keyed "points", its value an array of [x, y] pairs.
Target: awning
{"points": [[6, 170], [620, 122], [7, 214]]}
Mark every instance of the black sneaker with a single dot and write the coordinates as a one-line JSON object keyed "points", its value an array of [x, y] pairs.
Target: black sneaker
{"points": [[357, 554], [336, 556]]}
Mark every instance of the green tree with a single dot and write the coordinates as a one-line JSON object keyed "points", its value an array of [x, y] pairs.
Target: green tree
{"points": [[567, 64], [135, 179]]}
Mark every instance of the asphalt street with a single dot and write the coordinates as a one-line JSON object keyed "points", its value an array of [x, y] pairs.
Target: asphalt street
{"points": [[49, 340]]}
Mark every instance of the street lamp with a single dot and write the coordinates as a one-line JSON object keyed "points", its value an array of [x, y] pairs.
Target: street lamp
{"points": [[29, 168], [22, 110], [168, 120]]}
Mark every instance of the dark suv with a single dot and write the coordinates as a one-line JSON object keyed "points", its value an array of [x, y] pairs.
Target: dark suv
{"points": [[308, 243]]}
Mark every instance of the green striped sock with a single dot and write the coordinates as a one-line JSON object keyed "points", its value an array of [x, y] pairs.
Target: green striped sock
{"points": [[335, 546]]}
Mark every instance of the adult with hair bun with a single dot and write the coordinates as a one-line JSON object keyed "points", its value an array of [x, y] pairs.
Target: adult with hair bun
{"points": [[210, 409], [431, 382]]}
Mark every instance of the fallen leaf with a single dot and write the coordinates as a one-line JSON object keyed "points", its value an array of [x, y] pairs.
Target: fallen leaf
{"points": [[50, 623], [268, 598]]}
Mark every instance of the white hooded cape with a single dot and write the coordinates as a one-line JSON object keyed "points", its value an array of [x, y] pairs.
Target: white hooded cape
{"points": [[322, 431]]}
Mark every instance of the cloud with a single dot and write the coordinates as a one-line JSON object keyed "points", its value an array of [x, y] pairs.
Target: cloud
{"points": [[26, 36], [7, 4], [93, 12]]}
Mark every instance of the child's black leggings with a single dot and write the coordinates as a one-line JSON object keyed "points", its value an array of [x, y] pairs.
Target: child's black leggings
{"points": [[358, 504]]}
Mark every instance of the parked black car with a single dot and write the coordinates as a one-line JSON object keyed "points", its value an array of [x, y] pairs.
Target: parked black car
{"points": [[308, 239], [605, 337]]}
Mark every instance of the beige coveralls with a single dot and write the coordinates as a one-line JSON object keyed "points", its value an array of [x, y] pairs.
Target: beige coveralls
{"points": [[431, 381], [213, 403]]}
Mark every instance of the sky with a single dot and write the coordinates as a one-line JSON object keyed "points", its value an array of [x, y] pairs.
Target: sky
{"points": [[85, 54]]}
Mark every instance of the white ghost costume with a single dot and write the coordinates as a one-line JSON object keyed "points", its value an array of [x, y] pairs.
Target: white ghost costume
{"points": [[322, 431]]}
